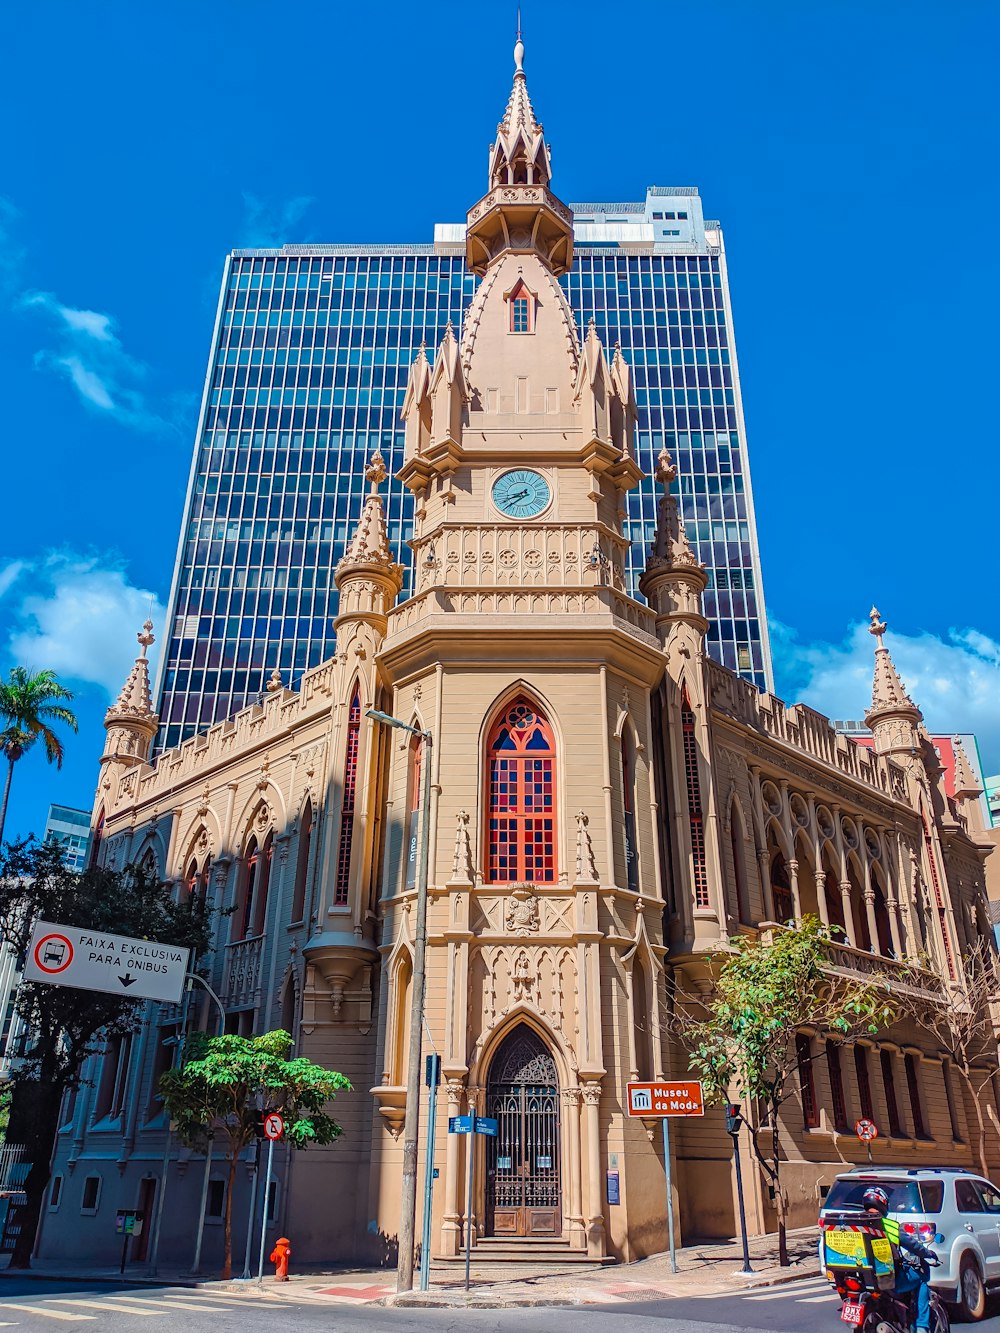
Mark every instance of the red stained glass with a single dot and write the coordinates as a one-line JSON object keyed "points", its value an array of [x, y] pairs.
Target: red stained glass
{"points": [[521, 798]]}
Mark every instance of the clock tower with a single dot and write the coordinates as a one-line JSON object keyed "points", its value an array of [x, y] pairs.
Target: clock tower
{"points": [[523, 653]]}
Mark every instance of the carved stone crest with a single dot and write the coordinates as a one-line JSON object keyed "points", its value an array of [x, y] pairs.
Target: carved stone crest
{"points": [[521, 916]]}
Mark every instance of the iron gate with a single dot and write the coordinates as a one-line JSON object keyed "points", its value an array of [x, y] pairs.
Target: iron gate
{"points": [[522, 1162]]}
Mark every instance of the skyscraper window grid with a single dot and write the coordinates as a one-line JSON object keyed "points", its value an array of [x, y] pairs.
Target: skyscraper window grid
{"points": [[307, 378]]}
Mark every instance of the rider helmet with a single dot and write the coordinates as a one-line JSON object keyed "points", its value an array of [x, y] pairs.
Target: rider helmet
{"points": [[876, 1200]]}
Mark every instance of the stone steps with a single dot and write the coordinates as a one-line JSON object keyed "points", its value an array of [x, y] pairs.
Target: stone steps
{"points": [[501, 1251]]}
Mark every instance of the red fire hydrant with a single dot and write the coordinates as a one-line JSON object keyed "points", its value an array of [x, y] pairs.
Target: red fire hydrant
{"points": [[279, 1257]]}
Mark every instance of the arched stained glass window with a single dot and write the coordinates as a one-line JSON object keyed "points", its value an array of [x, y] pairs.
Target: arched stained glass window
{"points": [[343, 882], [520, 828]]}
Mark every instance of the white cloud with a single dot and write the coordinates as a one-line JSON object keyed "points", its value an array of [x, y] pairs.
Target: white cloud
{"points": [[77, 615], [954, 680], [90, 355], [267, 224]]}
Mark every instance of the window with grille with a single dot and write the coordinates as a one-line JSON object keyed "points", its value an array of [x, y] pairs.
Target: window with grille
{"points": [[836, 1086], [694, 806], [343, 880], [864, 1083], [521, 797], [628, 800], [889, 1084], [807, 1084], [913, 1089]]}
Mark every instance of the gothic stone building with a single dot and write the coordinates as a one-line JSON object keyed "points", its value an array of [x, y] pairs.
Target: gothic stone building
{"points": [[607, 806]]}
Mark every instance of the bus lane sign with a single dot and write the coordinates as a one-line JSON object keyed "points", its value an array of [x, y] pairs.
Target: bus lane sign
{"points": [[96, 960]]}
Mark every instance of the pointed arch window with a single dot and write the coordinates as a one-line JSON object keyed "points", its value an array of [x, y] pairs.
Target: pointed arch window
{"points": [[781, 890], [521, 309], [343, 881], [695, 815], [98, 838], [628, 801], [520, 803], [739, 867], [302, 862], [257, 874]]}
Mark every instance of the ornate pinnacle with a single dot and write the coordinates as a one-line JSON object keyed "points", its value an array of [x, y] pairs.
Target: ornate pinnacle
{"points": [[878, 626], [666, 471], [375, 471], [146, 638]]}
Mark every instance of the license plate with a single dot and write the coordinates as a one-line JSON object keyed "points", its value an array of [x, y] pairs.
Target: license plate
{"points": [[851, 1313]]}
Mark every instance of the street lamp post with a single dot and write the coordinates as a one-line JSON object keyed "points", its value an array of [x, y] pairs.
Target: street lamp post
{"points": [[411, 1125]]}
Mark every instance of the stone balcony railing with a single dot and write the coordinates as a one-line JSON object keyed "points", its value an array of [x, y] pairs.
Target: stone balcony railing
{"points": [[545, 555], [805, 729], [241, 981], [519, 194], [845, 960]]}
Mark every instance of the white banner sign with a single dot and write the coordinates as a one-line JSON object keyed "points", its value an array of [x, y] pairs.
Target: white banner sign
{"points": [[94, 960]]}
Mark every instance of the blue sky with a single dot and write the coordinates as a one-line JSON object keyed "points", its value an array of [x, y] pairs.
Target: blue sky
{"points": [[849, 149]]}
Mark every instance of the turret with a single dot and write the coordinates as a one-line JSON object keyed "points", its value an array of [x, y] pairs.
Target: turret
{"points": [[968, 790], [519, 213], [367, 578], [894, 718], [673, 580], [130, 722]]}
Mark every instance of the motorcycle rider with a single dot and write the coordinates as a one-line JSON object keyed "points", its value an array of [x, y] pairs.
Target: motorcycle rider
{"points": [[909, 1277]]}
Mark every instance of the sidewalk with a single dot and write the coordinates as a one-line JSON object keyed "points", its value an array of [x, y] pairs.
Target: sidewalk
{"points": [[703, 1268]]}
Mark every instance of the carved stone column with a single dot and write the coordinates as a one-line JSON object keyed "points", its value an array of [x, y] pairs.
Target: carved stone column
{"points": [[451, 1226], [595, 1202], [872, 920], [845, 894], [793, 876], [577, 1232], [824, 910], [765, 884]]}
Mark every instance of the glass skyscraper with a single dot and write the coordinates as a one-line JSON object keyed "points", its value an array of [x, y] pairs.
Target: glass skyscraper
{"points": [[308, 368]]}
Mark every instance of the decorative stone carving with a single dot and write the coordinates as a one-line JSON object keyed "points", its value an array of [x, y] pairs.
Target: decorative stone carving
{"points": [[586, 866], [523, 978], [461, 869], [521, 916]]}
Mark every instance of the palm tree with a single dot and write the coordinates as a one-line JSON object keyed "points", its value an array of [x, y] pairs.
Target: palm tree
{"points": [[29, 702]]}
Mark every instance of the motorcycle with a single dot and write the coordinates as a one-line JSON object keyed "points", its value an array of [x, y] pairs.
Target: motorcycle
{"points": [[871, 1310], [861, 1262]]}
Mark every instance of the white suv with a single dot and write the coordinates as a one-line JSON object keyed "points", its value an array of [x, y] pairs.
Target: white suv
{"points": [[958, 1206]]}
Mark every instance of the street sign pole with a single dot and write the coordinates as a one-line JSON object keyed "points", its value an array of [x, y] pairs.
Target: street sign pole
{"points": [[263, 1218], [204, 1202], [252, 1212], [433, 1077], [470, 1145], [670, 1193]]}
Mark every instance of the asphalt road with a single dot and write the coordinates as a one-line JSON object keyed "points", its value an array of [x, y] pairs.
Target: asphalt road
{"points": [[119, 1308]]}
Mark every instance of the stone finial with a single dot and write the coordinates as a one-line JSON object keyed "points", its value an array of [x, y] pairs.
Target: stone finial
{"points": [[586, 865], [966, 785], [146, 637], [274, 682], [375, 472], [518, 48], [670, 545]]}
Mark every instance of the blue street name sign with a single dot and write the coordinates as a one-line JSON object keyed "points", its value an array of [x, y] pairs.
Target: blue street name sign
{"points": [[485, 1125], [460, 1124]]}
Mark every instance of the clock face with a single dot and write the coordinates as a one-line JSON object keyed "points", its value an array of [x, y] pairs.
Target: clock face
{"points": [[521, 494]]}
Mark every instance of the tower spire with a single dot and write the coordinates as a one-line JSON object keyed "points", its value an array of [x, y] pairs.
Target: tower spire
{"points": [[893, 717], [673, 580], [130, 721]]}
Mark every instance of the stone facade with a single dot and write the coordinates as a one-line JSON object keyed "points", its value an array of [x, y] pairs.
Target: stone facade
{"points": [[607, 806]]}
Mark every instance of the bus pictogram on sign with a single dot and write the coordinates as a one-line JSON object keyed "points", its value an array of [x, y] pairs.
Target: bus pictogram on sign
{"points": [[53, 954]]}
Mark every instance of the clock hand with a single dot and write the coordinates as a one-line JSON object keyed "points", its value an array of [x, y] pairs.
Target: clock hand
{"points": [[518, 495]]}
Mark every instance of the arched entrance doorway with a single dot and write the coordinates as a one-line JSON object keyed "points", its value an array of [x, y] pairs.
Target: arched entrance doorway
{"points": [[523, 1196]]}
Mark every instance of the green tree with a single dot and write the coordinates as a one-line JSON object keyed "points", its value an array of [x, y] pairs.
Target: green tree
{"points": [[226, 1083], [741, 1034], [66, 1025], [29, 703]]}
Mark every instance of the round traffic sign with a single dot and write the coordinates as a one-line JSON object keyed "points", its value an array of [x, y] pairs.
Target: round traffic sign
{"points": [[866, 1130], [274, 1125], [53, 954]]}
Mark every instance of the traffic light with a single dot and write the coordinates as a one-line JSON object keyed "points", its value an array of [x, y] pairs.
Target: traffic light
{"points": [[734, 1118]]}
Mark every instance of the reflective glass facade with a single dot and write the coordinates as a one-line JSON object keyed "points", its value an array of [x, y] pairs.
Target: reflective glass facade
{"points": [[307, 375]]}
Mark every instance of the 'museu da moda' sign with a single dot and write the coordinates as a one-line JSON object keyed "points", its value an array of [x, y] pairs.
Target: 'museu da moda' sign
{"points": [[665, 1097], [117, 964]]}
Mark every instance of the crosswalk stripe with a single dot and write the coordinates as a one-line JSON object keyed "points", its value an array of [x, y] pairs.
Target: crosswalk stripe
{"points": [[778, 1293], [117, 1307], [168, 1304], [49, 1314], [270, 1302], [815, 1300]]}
